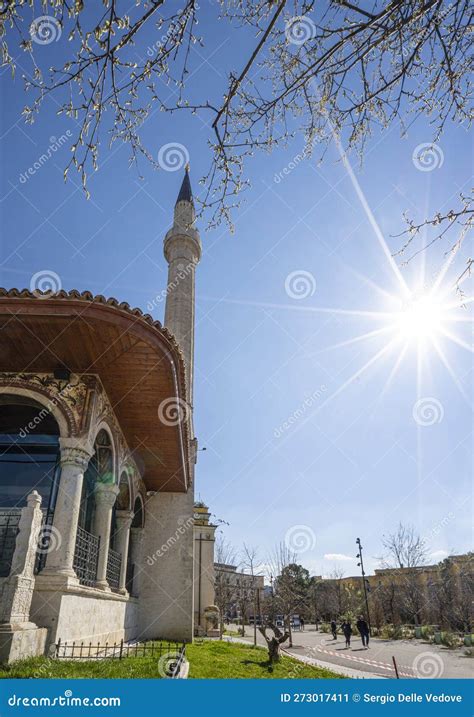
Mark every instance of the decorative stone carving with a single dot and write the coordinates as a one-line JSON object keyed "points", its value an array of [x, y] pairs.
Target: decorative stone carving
{"points": [[105, 495], [211, 618], [103, 412], [75, 456], [70, 397], [18, 590]]}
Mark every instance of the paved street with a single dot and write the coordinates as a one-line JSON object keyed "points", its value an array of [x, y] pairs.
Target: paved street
{"points": [[414, 658]]}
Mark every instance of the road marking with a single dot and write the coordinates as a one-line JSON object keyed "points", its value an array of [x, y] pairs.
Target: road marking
{"points": [[364, 660]]}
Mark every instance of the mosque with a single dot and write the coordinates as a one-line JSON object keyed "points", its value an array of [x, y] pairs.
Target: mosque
{"points": [[97, 461]]}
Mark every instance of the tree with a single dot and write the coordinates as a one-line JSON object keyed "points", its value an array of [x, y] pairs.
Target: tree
{"points": [[452, 592], [329, 71], [405, 548], [225, 554], [274, 641], [244, 598], [247, 592], [291, 584], [407, 552]]}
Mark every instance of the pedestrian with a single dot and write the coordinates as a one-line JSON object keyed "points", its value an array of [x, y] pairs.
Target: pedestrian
{"points": [[334, 629], [301, 623], [363, 628], [346, 628]]}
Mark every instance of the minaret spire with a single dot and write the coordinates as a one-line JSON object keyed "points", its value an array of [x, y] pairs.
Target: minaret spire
{"points": [[182, 249], [185, 193]]}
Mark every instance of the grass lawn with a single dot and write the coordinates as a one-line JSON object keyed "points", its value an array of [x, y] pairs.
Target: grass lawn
{"points": [[218, 659], [44, 667], [213, 659]]}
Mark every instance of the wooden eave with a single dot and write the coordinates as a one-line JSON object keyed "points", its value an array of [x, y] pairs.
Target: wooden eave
{"points": [[137, 359]]}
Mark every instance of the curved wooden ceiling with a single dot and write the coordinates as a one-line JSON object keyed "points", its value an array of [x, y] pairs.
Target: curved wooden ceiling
{"points": [[137, 360]]}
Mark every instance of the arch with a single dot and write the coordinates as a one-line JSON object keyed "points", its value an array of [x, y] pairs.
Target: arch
{"points": [[29, 451], [99, 470], [105, 452], [43, 402], [138, 513], [124, 497]]}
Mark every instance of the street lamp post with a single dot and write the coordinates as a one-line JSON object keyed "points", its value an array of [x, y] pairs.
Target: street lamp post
{"points": [[361, 564]]}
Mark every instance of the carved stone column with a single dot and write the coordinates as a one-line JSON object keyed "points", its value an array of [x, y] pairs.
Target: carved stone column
{"points": [[105, 497], [74, 459], [122, 537], [18, 590], [136, 540], [19, 636]]}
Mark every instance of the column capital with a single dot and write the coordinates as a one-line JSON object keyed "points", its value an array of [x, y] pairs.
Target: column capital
{"points": [[124, 518], [106, 494], [75, 452]]}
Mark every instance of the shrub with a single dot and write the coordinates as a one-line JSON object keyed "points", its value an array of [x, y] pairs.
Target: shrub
{"points": [[427, 632], [449, 639], [392, 632]]}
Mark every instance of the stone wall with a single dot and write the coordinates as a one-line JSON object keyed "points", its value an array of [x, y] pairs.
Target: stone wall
{"points": [[85, 617], [166, 564]]}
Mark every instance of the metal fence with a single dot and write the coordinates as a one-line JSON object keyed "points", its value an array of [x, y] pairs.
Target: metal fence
{"points": [[44, 540], [86, 557], [9, 520], [114, 564], [173, 654]]}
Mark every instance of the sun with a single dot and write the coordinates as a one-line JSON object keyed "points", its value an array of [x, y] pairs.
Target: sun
{"points": [[420, 318]]}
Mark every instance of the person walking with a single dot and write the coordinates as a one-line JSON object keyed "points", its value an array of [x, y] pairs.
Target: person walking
{"points": [[301, 623], [346, 628], [363, 628], [334, 629]]}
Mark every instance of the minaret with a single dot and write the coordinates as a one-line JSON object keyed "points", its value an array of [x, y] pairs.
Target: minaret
{"points": [[182, 248]]}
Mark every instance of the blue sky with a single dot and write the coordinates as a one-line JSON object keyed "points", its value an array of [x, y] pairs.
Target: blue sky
{"points": [[287, 444]]}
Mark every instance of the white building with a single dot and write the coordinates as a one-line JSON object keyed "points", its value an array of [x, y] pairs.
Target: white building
{"points": [[97, 457]]}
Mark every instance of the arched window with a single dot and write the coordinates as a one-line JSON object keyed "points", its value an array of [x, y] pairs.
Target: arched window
{"points": [[105, 459], [29, 452], [138, 516], [100, 469], [122, 503], [123, 497]]}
